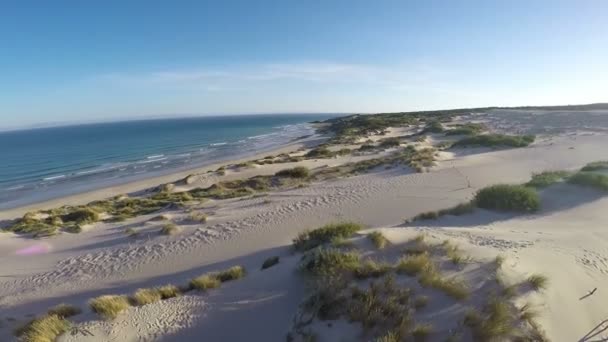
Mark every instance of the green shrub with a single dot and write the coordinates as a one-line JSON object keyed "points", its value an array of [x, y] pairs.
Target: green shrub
{"points": [[589, 179], [313, 238], [495, 323], [270, 262], [390, 142], [371, 269], [596, 166], [329, 261], [504, 197], [43, 329], [434, 127], [64, 310], [296, 172], [81, 216], [546, 178], [495, 140], [320, 152], [465, 129], [146, 296], [109, 306]]}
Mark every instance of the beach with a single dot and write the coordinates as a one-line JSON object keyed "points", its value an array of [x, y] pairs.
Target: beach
{"points": [[564, 240]]}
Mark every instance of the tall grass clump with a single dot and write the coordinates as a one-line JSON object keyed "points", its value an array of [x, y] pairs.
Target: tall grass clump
{"points": [[596, 166], [296, 172], [328, 261], [146, 296], [414, 264], [313, 238], [109, 306], [546, 178], [43, 329], [589, 179], [421, 332], [378, 239], [505, 197], [233, 273], [168, 291], [494, 323]]}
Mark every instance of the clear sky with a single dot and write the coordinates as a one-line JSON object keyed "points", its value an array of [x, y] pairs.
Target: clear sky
{"points": [[89, 60]]}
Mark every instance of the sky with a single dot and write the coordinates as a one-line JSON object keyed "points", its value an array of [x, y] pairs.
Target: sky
{"points": [[78, 61]]}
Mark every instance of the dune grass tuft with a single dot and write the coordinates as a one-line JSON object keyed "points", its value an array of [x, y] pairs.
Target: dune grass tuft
{"points": [[170, 229], [371, 269], [414, 264], [109, 306], [64, 310], [421, 301], [296, 172], [146, 296], [494, 323], [496, 140], [233, 273], [538, 282], [313, 238], [205, 282], [198, 217], [43, 329], [596, 166], [270, 262], [168, 291], [328, 261], [422, 331], [505, 197], [378, 239]]}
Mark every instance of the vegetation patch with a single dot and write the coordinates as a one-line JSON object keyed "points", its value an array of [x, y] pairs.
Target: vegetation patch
{"points": [[170, 229], [465, 129], [109, 306], [296, 172], [313, 238], [168, 291], [378, 239], [270, 262], [233, 273], [205, 282], [496, 140], [504, 197], [43, 329], [146, 296], [596, 166], [538, 282], [547, 178], [327, 261], [591, 180]]}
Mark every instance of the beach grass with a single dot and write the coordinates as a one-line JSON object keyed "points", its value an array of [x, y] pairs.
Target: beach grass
{"points": [[313, 238], [496, 140], [43, 329], [506, 197], [270, 262], [64, 310], [378, 239], [146, 296], [170, 229], [109, 306], [590, 179]]}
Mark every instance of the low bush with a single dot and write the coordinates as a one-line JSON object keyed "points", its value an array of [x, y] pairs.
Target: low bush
{"points": [[496, 140], [312, 238], [371, 269], [504, 197], [270, 262], [81, 216], [296, 172], [414, 264], [198, 217], [390, 142], [596, 166], [547, 178], [589, 179], [422, 331], [109, 306]]}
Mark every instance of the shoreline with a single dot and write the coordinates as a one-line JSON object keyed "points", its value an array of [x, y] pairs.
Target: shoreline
{"points": [[85, 197]]}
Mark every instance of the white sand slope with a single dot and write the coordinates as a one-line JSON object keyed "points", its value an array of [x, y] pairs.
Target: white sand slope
{"points": [[566, 241]]}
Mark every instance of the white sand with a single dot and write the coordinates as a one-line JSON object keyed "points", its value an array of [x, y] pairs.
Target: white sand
{"points": [[566, 241]]}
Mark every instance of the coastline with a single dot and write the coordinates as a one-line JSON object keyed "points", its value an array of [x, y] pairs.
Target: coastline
{"points": [[151, 182]]}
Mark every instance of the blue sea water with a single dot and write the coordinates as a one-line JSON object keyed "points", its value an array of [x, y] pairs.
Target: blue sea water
{"points": [[45, 163]]}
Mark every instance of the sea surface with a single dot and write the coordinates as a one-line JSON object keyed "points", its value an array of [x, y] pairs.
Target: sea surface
{"points": [[46, 163]]}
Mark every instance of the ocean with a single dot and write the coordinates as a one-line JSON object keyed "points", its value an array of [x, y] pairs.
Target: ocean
{"points": [[46, 163]]}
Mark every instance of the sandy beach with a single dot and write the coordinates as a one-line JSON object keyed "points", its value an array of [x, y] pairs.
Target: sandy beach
{"points": [[565, 240]]}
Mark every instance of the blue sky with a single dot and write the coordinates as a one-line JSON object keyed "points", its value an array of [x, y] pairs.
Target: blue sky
{"points": [[82, 60]]}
